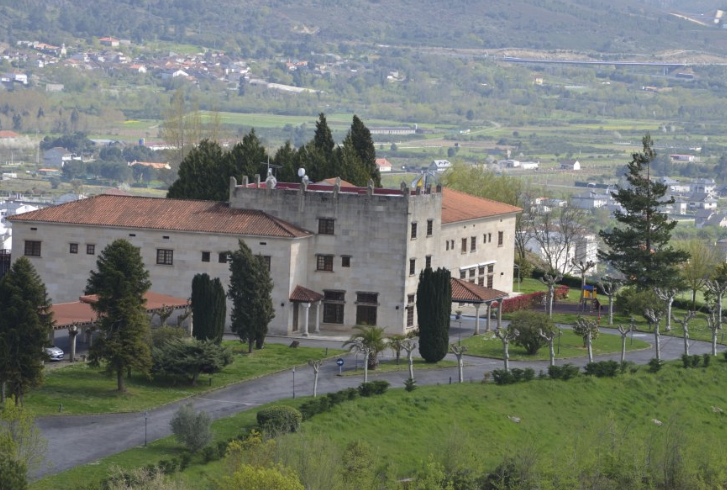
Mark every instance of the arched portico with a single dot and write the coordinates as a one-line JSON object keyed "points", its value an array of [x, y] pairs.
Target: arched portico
{"points": [[468, 292]]}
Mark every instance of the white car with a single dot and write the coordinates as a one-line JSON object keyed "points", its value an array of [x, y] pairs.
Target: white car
{"points": [[54, 353]]}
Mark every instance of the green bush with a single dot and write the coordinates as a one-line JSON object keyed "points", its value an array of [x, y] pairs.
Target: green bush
{"points": [[632, 302], [529, 324], [371, 388], [628, 366], [279, 419], [706, 358], [503, 377], [602, 369], [695, 360], [564, 372], [686, 361], [410, 384], [191, 428], [209, 453], [655, 365], [528, 374], [310, 408]]}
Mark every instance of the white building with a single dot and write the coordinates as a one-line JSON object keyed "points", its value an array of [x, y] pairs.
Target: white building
{"points": [[583, 247], [339, 256], [439, 165]]}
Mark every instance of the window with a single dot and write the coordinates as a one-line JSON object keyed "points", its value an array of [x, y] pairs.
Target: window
{"points": [[489, 281], [222, 257], [484, 238], [326, 226], [333, 303], [90, 249], [481, 270], [447, 244], [165, 256], [413, 231], [472, 272], [324, 263], [428, 263], [410, 310], [205, 256], [32, 248], [464, 245], [500, 238], [489, 238], [491, 269], [345, 261], [430, 227], [463, 274], [266, 261], [74, 248], [412, 266], [473, 244], [480, 281], [366, 306]]}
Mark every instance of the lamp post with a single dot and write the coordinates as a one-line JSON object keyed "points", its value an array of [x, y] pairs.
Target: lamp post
{"points": [[146, 418], [293, 381], [459, 332]]}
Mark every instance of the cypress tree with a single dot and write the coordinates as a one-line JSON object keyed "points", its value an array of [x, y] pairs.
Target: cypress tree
{"points": [[434, 308], [323, 138], [639, 248], [203, 174], [209, 308], [364, 145], [246, 158]]}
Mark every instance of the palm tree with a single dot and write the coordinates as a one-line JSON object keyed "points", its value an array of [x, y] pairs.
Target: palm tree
{"points": [[396, 343], [370, 338]]}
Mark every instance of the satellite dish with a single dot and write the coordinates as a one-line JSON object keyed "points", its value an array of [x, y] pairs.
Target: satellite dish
{"points": [[301, 172]]}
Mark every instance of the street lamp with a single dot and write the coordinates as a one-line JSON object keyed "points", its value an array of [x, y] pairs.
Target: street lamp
{"points": [[459, 332], [293, 381]]}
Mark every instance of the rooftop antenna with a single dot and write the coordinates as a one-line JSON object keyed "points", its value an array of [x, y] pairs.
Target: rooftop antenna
{"points": [[270, 166]]}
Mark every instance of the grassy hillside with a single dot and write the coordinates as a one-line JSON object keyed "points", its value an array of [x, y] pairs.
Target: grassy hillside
{"points": [[609, 26]]}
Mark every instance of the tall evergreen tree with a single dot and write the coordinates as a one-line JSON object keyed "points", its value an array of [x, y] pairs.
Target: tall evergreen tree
{"points": [[120, 282], [250, 289], [639, 248], [26, 321], [203, 174], [434, 308], [285, 160], [246, 158], [209, 308], [348, 166], [323, 138], [364, 145]]}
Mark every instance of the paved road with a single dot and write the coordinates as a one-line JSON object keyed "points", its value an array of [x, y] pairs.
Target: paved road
{"points": [[77, 440]]}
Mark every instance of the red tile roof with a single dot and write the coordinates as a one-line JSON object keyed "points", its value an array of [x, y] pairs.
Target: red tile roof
{"points": [[458, 206], [469, 292], [164, 214], [305, 295]]}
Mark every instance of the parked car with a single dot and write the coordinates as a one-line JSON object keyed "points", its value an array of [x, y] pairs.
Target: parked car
{"points": [[54, 353]]}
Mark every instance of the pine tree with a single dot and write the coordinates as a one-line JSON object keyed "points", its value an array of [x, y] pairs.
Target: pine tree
{"points": [[639, 248], [323, 139], [434, 308], [209, 308], [247, 158], [250, 289], [203, 174], [120, 282], [365, 149], [26, 321]]}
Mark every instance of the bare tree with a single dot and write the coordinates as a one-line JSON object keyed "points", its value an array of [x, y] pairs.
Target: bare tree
{"points": [[459, 351], [653, 316], [588, 329], [624, 333], [685, 327], [582, 267], [558, 233], [164, 313], [409, 346], [506, 335], [550, 338], [610, 287], [717, 287], [360, 346], [667, 295], [551, 280], [316, 365], [183, 316], [713, 323]]}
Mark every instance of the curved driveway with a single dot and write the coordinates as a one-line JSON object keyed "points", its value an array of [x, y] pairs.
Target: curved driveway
{"points": [[82, 439]]}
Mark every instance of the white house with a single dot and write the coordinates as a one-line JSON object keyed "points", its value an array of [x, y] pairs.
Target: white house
{"points": [[57, 157], [439, 165], [570, 165], [383, 165]]}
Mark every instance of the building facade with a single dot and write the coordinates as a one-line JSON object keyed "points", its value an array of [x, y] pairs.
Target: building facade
{"points": [[338, 255]]}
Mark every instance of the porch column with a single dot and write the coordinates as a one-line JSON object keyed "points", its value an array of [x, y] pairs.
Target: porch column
{"points": [[318, 317], [477, 318], [72, 333], [499, 313], [489, 314], [306, 307]]}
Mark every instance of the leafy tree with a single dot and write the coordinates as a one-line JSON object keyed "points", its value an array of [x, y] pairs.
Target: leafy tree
{"points": [[249, 477], [434, 308], [285, 159], [370, 337], [188, 358], [365, 149], [640, 248], [120, 282], [250, 289], [529, 324], [21, 439], [12, 473], [209, 307], [191, 428], [202, 174], [26, 321], [695, 272]]}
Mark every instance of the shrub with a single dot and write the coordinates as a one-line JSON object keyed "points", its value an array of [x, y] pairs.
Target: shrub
{"points": [[602, 369], [503, 377], [310, 408], [184, 461], [627, 365], [336, 398], [191, 428], [695, 360], [209, 453], [529, 324], [371, 388], [632, 302], [706, 358], [280, 419], [410, 384], [529, 374], [351, 393], [564, 372], [655, 365], [517, 374], [686, 361]]}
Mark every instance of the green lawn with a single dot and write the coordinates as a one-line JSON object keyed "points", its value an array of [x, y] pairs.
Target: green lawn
{"points": [[584, 417], [81, 389], [571, 345]]}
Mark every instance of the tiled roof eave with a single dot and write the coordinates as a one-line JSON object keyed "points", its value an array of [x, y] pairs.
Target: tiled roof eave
{"points": [[446, 222]]}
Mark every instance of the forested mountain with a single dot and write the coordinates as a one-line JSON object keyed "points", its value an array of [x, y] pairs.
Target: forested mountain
{"points": [[249, 26]]}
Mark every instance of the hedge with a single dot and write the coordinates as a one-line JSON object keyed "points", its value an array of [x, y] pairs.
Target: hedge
{"points": [[532, 300], [279, 420]]}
